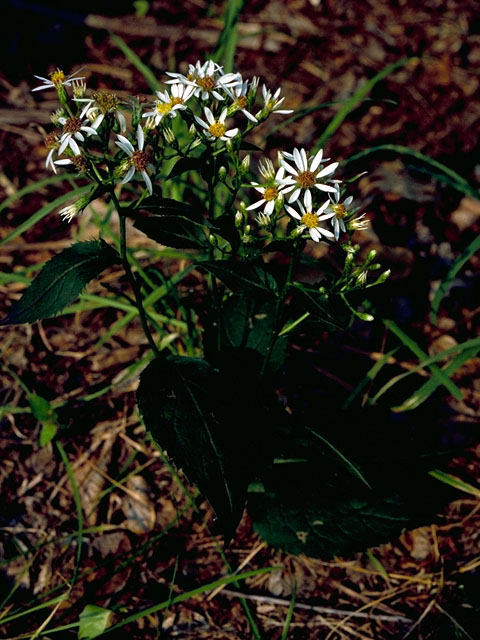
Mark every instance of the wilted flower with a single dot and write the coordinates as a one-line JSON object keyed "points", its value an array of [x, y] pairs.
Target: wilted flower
{"points": [[310, 220], [137, 158], [72, 131], [340, 210], [97, 107], [70, 211]]}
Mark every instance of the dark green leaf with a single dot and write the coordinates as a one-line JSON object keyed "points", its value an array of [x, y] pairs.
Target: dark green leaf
{"points": [[185, 164], [175, 231], [335, 513], [61, 281], [166, 206], [241, 277], [48, 432], [46, 415], [201, 417]]}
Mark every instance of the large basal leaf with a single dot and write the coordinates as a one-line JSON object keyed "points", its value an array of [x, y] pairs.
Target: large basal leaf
{"points": [[61, 281], [185, 164], [167, 206], [316, 499], [242, 277], [201, 417]]}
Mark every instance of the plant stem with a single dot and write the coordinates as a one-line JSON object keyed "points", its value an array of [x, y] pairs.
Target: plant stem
{"points": [[131, 277]]}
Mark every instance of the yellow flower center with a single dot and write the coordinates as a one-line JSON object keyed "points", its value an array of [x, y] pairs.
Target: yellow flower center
{"points": [[175, 101], [207, 83], [140, 160], [241, 102], [190, 76], [57, 77], [72, 125], [310, 220], [270, 193], [164, 107], [217, 129], [339, 210], [106, 101], [306, 179], [271, 104]]}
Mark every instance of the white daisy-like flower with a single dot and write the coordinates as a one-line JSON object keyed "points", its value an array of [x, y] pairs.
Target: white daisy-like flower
{"points": [[271, 190], [311, 220], [97, 107], [215, 128], [137, 158], [305, 174], [207, 79], [169, 104], [72, 131], [273, 101], [340, 210], [239, 94], [57, 79]]}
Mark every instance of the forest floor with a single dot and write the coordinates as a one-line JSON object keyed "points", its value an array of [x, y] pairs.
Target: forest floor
{"points": [[145, 539]]}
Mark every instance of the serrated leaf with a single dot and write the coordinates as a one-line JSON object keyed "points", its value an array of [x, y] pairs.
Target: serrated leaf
{"points": [[175, 231], [242, 277], [61, 280], [197, 414], [93, 621]]}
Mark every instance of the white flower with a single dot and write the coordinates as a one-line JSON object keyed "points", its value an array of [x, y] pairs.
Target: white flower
{"points": [[97, 107], [239, 94], [138, 159], [56, 79], [215, 129], [72, 131], [169, 105], [70, 211], [305, 174], [272, 102], [340, 211], [271, 190], [207, 79], [310, 220], [357, 224]]}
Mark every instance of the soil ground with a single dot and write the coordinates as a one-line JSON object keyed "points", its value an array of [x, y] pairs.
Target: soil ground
{"points": [[423, 584]]}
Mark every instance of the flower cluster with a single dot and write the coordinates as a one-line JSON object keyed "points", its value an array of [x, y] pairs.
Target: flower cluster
{"points": [[113, 141]]}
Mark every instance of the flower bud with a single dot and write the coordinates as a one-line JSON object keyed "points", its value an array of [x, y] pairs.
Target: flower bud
{"points": [[279, 200], [238, 220], [372, 254], [222, 173], [212, 240], [79, 88], [244, 166], [384, 276], [62, 94], [229, 146], [169, 135], [248, 228], [195, 143], [362, 279]]}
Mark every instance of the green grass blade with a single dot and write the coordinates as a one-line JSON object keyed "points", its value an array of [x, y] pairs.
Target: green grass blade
{"points": [[429, 387], [26, 612], [227, 40], [44, 211], [357, 97], [470, 347], [288, 617], [30, 188], [369, 377], [78, 506], [132, 57], [356, 472], [415, 349], [455, 482], [437, 169], [462, 259], [187, 595]]}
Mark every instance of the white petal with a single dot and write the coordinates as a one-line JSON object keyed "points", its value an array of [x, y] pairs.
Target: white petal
{"points": [[270, 207], [121, 121], [63, 143], [325, 187], [201, 122], [298, 160], [304, 159], [209, 116], [348, 201], [127, 144], [293, 212], [231, 134], [317, 160], [294, 195], [140, 137], [328, 170], [307, 200], [256, 205], [148, 182], [129, 175], [315, 235], [249, 115], [289, 168], [74, 147]]}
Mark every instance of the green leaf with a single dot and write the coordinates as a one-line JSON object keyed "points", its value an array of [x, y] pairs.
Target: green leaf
{"points": [[249, 324], [201, 417], [227, 41], [46, 415], [242, 277], [48, 432], [185, 164], [317, 503], [175, 231], [132, 57], [61, 280], [93, 621], [167, 206]]}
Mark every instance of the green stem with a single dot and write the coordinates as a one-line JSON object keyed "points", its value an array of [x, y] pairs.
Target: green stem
{"points": [[131, 277]]}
